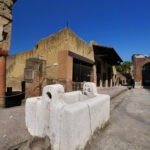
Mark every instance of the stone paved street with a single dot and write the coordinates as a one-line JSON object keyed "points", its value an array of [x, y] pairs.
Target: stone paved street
{"points": [[129, 126], [12, 121], [113, 91]]}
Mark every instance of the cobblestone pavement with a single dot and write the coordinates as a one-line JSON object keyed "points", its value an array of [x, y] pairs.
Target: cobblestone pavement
{"points": [[13, 131], [12, 127], [129, 126], [113, 92]]}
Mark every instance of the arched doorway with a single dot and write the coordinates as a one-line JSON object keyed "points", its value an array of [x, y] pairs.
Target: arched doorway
{"points": [[146, 74]]}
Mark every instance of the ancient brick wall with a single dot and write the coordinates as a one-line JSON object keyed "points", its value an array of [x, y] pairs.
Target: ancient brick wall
{"points": [[2, 80], [138, 63], [35, 77], [65, 69], [5, 37]]}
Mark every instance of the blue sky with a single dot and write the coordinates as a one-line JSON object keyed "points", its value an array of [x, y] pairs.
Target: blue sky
{"points": [[122, 24]]}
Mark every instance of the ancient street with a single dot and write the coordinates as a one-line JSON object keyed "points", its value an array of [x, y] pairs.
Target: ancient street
{"points": [[74, 75], [129, 125]]}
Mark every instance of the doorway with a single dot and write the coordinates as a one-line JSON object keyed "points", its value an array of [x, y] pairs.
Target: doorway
{"points": [[98, 73], [146, 74]]}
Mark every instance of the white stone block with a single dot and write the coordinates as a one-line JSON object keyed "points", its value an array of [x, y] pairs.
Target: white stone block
{"points": [[73, 97], [53, 92], [75, 126], [69, 119], [30, 116], [89, 89], [99, 109]]}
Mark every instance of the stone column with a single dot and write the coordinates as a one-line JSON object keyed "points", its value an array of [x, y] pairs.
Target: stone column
{"points": [[106, 81], [2, 80], [101, 78], [111, 82]]}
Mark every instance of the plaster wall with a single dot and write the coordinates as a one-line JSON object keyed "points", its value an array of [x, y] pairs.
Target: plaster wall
{"points": [[48, 49], [15, 65]]}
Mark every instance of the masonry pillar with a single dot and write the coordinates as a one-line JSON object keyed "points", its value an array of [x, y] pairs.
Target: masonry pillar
{"points": [[94, 74], [101, 75], [111, 82], [2, 80], [34, 76], [106, 81], [65, 69]]}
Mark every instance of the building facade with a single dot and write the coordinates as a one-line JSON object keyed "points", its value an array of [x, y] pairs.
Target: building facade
{"points": [[106, 58], [58, 50], [69, 61], [5, 37], [141, 70]]}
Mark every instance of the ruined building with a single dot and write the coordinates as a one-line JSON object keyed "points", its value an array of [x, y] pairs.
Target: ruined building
{"points": [[106, 58], [68, 60], [5, 37], [141, 70]]}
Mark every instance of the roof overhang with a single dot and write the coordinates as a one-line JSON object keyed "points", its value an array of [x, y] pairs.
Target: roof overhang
{"points": [[81, 58], [107, 54]]}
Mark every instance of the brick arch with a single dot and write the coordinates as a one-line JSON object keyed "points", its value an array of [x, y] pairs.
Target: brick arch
{"points": [[145, 63], [142, 70], [138, 65]]}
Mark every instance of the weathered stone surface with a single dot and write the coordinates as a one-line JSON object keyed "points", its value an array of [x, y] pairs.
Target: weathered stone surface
{"points": [[5, 11], [9, 3], [5, 37], [12, 120], [34, 73], [34, 143], [129, 125], [5, 24], [63, 121]]}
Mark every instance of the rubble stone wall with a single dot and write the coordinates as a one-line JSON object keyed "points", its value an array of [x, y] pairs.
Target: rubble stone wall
{"points": [[5, 24]]}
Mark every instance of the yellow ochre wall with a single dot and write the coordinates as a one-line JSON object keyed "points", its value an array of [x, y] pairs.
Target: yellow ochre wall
{"points": [[47, 49]]}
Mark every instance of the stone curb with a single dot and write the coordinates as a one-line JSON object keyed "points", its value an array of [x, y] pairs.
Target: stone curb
{"points": [[117, 94]]}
